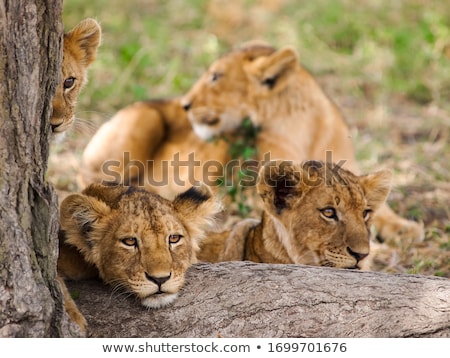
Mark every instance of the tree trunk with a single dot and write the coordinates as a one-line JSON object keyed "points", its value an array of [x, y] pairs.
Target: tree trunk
{"points": [[242, 299], [30, 65]]}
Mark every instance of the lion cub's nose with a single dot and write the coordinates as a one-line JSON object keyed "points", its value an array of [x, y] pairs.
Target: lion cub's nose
{"points": [[157, 280], [358, 256]]}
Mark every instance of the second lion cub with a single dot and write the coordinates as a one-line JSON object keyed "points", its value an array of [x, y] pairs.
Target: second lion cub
{"points": [[315, 213]]}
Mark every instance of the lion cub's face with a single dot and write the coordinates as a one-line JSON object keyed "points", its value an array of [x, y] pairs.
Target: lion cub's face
{"points": [[321, 212], [137, 240], [79, 51], [228, 92]]}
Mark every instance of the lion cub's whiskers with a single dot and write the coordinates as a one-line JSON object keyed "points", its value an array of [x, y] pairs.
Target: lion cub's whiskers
{"points": [[84, 126], [120, 289]]}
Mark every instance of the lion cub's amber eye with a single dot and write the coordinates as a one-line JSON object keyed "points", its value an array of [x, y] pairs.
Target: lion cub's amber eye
{"points": [[174, 238], [69, 82], [130, 241], [366, 214], [329, 213]]}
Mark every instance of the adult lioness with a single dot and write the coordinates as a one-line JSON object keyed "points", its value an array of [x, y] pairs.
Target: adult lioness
{"points": [[315, 213], [298, 121], [79, 51], [133, 239]]}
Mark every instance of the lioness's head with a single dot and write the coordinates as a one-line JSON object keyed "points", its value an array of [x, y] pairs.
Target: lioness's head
{"points": [[79, 51], [322, 213], [138, 240], [229, 90]]}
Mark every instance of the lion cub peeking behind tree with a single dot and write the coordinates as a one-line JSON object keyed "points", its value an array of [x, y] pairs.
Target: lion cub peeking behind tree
{"points": [[79, 52], [315, 213]]}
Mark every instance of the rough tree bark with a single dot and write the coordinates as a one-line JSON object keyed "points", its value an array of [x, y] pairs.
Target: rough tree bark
{"points": [[242, 299], [30, 64]]}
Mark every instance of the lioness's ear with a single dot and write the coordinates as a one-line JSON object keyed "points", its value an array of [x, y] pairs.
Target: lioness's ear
{"points": [[376, 187], [278, 185], [273, 70], [86, 36], [79, 213], [199, 208]]}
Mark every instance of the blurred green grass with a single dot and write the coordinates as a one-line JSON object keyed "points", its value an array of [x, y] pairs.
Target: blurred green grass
{"points": [[386, 64]]}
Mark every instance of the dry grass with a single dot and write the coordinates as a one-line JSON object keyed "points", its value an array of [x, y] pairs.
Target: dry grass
{"points": [[386, 64]]}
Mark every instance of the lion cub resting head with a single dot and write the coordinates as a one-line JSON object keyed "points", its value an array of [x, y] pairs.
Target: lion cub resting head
{"points": [[136, 240], [79, 51], [315, 213]]}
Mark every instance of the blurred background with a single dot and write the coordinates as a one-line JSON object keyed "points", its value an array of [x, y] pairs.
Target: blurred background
{"points": [[385, 63]]}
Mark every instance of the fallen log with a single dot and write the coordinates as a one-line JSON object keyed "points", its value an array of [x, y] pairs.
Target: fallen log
{"points": [[243, 299]]}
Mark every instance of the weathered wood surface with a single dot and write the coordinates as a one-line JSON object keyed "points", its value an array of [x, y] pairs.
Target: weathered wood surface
{"points": [[242, 299]]}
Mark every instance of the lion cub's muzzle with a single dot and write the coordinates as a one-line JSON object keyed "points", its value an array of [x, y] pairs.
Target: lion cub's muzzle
{"points": [[357, 256], [159, 281], [204, 116], [165, 293], [210, 121]]}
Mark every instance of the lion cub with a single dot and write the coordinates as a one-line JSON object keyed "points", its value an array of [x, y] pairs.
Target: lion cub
{"points": [[133, 239], [79, 51], [315, 213]]}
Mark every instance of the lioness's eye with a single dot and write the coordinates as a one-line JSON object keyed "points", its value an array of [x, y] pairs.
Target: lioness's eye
{"points": [[69, 82], [329, 213], [174, 238], [366, 214], [130, 241]]}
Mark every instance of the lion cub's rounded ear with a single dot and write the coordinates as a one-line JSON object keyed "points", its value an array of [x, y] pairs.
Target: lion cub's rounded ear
{"points": [[85, 37], [377, 187], [279, 183], [199, 208], [271, 71], [78, 214]]}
